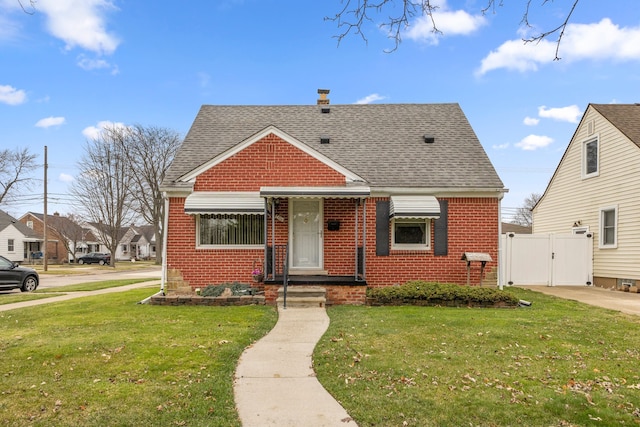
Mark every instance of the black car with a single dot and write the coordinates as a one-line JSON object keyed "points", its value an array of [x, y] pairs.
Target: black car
{"points": [[95, 258], [12, 276]]}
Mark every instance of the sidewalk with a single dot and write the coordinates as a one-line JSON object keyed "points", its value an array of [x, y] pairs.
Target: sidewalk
{"points": [[275, 384], [80, 294]]}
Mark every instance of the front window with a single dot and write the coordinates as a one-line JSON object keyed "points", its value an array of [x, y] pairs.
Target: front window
{"points": [[410, 234], [11, 245], [590, 151], [608, 227], [231, 230]]}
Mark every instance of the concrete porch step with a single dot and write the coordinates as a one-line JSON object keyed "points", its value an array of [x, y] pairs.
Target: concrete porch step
{"points": [[302, 296]]}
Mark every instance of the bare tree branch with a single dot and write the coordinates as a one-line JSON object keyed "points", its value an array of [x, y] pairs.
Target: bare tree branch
{"points": [[356, 13], [523, 215], [15, 166]]}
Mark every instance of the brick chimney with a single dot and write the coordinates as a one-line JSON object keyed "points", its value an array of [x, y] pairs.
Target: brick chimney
{"points": [[323, 97]]}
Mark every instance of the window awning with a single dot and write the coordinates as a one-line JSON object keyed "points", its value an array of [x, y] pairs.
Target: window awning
{"points": [[208, 202], [414, 207], [328, 192]]}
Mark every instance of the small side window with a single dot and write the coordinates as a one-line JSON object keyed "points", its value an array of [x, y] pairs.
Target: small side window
{"points": [[609, 227], [591, 158]]}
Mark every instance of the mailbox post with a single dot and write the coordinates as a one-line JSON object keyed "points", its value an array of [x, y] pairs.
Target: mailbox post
{"points": [[469, 257]]}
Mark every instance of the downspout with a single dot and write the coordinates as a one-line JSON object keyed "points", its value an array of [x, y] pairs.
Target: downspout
{"points": [[164, 243], [500, 272], [355, 274], [266, 235]]}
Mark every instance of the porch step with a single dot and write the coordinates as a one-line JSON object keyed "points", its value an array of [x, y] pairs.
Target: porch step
{"points": [[302, 296]]}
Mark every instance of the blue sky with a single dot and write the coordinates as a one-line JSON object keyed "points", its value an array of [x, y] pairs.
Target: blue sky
{"points": [[75, 65]]}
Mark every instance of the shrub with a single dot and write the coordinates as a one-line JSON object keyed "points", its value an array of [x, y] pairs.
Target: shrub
{"points": [[237, 289], [421, 292]]}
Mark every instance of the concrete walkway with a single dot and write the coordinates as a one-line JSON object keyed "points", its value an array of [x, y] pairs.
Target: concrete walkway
{"points": [[275, 383], [153, 285], [625, 302]]}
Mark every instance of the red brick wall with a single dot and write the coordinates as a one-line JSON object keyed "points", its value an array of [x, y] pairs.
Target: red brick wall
{"points": [[55, 247], [472, 226]]}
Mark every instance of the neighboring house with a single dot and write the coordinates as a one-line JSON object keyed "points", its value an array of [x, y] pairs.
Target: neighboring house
{"points": [[64, 236], [362, 195], [595, 189], [18, 242], [508, 227], [137, 243]]}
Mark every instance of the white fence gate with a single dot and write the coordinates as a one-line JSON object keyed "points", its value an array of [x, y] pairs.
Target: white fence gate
{"points": [[547, 259]]}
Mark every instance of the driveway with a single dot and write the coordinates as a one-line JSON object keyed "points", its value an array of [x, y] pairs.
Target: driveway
{"points": [[625, 302]]}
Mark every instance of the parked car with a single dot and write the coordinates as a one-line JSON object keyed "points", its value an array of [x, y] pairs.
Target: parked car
{"points": [[95, 258], [12, 276]]}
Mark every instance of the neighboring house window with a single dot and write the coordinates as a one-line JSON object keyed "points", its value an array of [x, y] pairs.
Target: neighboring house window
{"points": [[30, 224], [410, 233], [124, 248], [230, 230], [590, 158], [11, 245], [609, 227]]}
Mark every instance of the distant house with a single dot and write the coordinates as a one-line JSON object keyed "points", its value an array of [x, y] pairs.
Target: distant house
{"points": [[341, 196], [508, 227], [18, 242], [137, 243], [596, 189], [64, 237]]}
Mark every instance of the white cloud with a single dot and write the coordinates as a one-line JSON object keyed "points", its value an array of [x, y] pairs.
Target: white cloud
{"points": [[92, 64], [500, 146], [533, 142], [601, 41], [531, 121], [50, 121], [369, 99], [95, 132], [12, 96], [448, 22], [569, 114], [65, 177], [80, 23]]}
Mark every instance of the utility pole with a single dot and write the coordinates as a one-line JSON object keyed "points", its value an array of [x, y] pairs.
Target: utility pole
{"points": [[44, 220]]}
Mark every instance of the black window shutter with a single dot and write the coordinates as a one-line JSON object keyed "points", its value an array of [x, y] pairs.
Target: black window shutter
{"points": [[441, 231], [382, 228]]}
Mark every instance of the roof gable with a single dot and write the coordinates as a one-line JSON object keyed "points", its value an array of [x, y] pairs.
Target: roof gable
{"points": [[6, 220], [383, 144], [350, 176]]}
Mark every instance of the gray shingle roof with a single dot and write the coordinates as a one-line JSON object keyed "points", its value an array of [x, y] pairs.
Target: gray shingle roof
{"points": [[6, 220], [626, 117], [383, 143]]}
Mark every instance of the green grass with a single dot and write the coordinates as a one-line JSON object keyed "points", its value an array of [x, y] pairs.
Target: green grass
{"points": [[556, 363], [105, 360], [10, 298], [94, 286], [74, 269]]}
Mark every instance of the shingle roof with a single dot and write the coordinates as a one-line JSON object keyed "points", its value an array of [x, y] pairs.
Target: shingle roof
{"points": [[383, 143], [626, 117], [6, 220]]}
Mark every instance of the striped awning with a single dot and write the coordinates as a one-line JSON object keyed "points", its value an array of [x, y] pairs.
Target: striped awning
{"points": [[209, 202], [344, 192], [414, 207]]}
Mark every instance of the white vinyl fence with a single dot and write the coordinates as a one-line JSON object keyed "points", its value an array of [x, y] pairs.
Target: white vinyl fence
{"points": [[547, 259]]}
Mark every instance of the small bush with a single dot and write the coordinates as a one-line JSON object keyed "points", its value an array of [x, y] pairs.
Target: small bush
{"points": [[237, 289], [434, 292]]}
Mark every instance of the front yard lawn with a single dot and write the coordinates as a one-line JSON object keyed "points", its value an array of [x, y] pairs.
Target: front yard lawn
{"points": [[107, 361], [556, 363]]}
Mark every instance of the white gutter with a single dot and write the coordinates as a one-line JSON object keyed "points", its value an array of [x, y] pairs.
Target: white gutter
{"points": [[500, 281], [165, 226]]}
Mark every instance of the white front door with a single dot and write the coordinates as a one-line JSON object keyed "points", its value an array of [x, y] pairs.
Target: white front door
{"points": [[306, 234]]}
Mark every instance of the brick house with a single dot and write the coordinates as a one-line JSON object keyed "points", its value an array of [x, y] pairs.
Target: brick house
{"points": [[342, 196]]}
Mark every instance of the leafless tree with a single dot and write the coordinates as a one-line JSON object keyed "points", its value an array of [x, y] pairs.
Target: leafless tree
{"points": [[149, 152], [524, 215], [70, 231], [103, 188], [354, 14], [15, 166]]}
